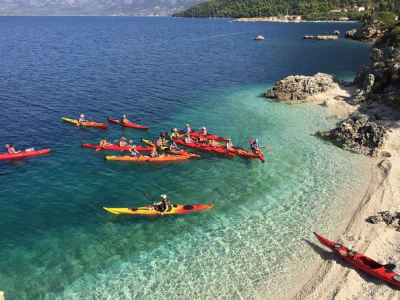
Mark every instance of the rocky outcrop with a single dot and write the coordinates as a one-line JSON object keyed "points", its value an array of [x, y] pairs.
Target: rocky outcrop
{"points": [[369, 32], [391, 219], [320, 37], [380, 81], [357, 134], [300, 89]]}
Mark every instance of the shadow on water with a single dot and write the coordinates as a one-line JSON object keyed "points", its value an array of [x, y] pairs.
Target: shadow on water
{"points": [[331, 256]]}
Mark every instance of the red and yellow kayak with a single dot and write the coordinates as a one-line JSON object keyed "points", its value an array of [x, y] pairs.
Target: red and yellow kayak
{"points": [[166, 148], [150, 211], [130, 124], [22, 154], [259, 153], [115, 147], [145, 158], [86, 124], [362, 262]]}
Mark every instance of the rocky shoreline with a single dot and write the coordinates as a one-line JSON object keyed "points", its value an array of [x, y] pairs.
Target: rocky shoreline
{"points": [[369, 124]]}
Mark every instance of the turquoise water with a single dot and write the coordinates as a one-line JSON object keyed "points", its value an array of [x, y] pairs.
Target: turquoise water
{"points": [[58, 243]]}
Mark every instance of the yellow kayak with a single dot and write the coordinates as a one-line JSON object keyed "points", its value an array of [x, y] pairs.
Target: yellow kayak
{"points": [[149, 210], [86, 124], [144, 158]]}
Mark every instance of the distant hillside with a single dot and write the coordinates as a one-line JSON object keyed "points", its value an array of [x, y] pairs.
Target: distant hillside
{"points": [[322, 9], [95, 7]]}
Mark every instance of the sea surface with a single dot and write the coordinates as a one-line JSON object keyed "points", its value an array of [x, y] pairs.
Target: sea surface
{"points": [[56, 240]]}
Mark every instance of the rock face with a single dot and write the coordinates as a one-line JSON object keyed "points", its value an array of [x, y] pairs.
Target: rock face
{"points": [[380, 81], [370, 32], [320, 37], [357, 134], [300, 89], [390, 219]]}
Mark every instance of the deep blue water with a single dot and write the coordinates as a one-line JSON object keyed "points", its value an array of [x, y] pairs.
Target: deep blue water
{"points": [[57, 242]]}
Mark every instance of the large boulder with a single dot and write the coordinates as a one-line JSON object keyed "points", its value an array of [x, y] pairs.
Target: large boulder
{"points": [[300, 89], [391, 219], [357, 134], [369, 32]]}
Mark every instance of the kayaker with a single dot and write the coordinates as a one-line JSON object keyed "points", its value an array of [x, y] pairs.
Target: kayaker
{"points": [[159, 142], [122, 142], [81, 120], [164, 205], [255, 144], [174, 134], [173, 146], [11, 149], [133, 151], [154, 152], [203, 131], [187, 130], [103, 142], [188, 139], [212, 143], [229, 144], [124, 120]]}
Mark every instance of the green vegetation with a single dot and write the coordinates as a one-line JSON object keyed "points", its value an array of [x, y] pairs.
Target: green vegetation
{"points": [[310, 10]]}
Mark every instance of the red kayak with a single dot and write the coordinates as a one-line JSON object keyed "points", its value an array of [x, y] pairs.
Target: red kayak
{"points": [[259, 153], [196, 134], [131, 125], [362, 262], [116, 147], [205, 147], [22, 154]]}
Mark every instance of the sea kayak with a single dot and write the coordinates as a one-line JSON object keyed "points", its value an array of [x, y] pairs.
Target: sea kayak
{"points": [[149, 210], [259, 153], [195, 134], [362, 262], [115, 147], [130, 124], [86, 124], [145, 158], [166, 148], [22, 154], [203, 147]]}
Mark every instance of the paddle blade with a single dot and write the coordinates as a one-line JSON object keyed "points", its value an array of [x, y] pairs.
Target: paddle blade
{"points": [[147, 195]]}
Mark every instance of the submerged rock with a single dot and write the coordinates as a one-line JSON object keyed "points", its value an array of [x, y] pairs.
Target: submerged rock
{"points": [[357, 134], [391, 219], [299, 89]]}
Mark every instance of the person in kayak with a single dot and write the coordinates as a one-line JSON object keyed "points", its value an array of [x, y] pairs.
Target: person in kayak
{"points": [[11, 149], [81, 120], [122, 142], [212, 143], [164, 205], [203, 131], [256, 146], [124, 120], [174, 134], [188, 139], [154, 152], [103, 142], [229, 144], [133, 151], [159, 142], [173, 146], [187, 131]]}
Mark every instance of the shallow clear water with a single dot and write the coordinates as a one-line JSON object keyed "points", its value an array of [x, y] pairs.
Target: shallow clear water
{"points": [[58, 243]]}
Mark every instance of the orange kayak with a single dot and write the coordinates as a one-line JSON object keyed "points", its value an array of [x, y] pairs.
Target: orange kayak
{"points": [[145, 158]]}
